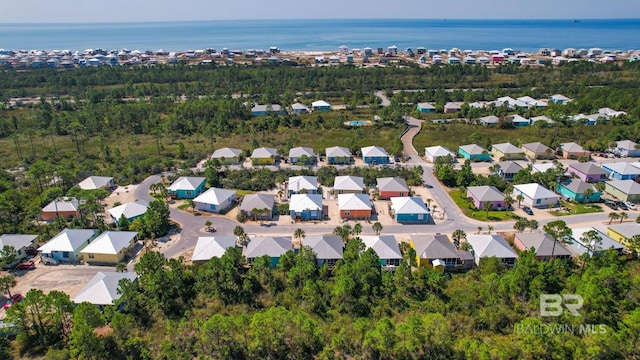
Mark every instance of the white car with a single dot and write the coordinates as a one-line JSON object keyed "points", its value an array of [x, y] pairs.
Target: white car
{"points": [[631, 205]]}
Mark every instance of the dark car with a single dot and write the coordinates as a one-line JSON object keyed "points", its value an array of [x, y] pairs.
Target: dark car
{"points": [[527, 210], [26, 265], [15, 298]]}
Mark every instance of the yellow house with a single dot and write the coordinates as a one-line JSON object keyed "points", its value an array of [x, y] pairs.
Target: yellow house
{"points": [[111, 247], [438, 252], [264, 156], [622, 232]]}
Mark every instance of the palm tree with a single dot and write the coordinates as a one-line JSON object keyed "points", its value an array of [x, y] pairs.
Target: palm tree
{"points": [[532, 224], [588, 193], [489, 229], [479, 229], [239, 232], [207, 225], [192, 205], [519, 197], [623, 216], [457, 235], [600, 186], [613, 216], [508, 200], [377, 227], [299, 234], [487, 205], [357, 229]]}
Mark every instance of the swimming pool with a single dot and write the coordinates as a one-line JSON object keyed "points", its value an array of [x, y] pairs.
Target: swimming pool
{"points": [[358, 122]]}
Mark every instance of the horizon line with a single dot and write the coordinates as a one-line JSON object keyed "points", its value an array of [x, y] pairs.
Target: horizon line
{"points": [[314, 19]]}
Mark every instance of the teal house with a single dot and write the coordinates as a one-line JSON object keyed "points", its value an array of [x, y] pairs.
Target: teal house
{"points": [[579, 191], [187, 187], [473, 152], [273, 247], [426, 108], [410, 210]]}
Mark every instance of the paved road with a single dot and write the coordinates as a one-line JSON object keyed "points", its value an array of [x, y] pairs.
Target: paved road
{"points": [[383, 96]]}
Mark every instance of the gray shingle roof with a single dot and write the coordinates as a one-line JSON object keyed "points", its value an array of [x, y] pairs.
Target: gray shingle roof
{"points": [[325, 246], [257, 201]]}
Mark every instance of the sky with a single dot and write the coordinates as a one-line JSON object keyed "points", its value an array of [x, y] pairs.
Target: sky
{"points": [[74, 11]]}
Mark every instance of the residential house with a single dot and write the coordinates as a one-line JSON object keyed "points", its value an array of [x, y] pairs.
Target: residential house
{"points": [[409, 210], [187, 187], [264, 203], [67, 208], [299, 108], [103, 288], [579, 246], [392, 187], [588, 172], [215, 200], [338, 155], [508, 169], [572, 150], [531, 102], [131, 211], [537, 150], [228, 155], [621, 171], [481, 195], [97, 182], [426, 108], [209, 247], [321, 105], [268, 109], [576, 190], [507, 151], [627, 148], [623, 232], [542, 244], [328, 248], [452, 108], [610, 113], [438, 252], [434, 152], [355, 206], [21, 243], [110, 247], [264, 156], [623, 190], [559, 99], [541, 118], [66, 246], [518, 121], [302, 184], [306, 207], [474, 152], [490, 120], [543, 167], [348, 185], [492, 245], [273, 247], [536, 195], [374, 155], [386, 247], [302, 156]]}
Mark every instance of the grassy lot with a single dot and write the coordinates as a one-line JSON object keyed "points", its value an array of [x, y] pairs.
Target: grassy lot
{"points": [[575, 209], [469, 209]]}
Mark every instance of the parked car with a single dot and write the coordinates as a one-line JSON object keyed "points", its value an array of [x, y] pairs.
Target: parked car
{"points": [[26, 265], [631, 205], [15, 298], [527, 210], [622, 205], [611, 204], [49, 261]]}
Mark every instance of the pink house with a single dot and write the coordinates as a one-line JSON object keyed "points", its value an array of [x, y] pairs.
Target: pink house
{"points": [[588, 172], [482, 194]]}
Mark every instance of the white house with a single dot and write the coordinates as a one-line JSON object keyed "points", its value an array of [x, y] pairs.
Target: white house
{"points": [[130, 210], [102, 289], [209, 247], [66, 246], [348, 184], [21, 243], [386, 247], [492, 245], [96, 182], [215, 200], [434, 152], [535, 195]]}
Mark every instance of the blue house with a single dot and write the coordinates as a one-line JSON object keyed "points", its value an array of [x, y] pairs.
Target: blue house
{"points": [[306, 207], [474, 152], [575, 190], [273, 247], [321, 105], [338, 155], [374, 155], [263, 110], [621, 171], [426, 108], [409, 210], [187, 187]]}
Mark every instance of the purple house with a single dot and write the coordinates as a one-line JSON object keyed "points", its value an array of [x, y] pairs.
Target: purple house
{"points": [[588, 172], [481, 194]]}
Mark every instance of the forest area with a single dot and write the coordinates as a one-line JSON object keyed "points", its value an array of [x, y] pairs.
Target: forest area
{"points": [[132, 122]]}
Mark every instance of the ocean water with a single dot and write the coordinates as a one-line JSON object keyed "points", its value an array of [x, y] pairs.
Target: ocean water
{"points": [[290, 35]]}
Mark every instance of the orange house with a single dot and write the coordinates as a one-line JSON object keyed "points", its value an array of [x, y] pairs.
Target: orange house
{"points": [[354, 206], [67, 208]]}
